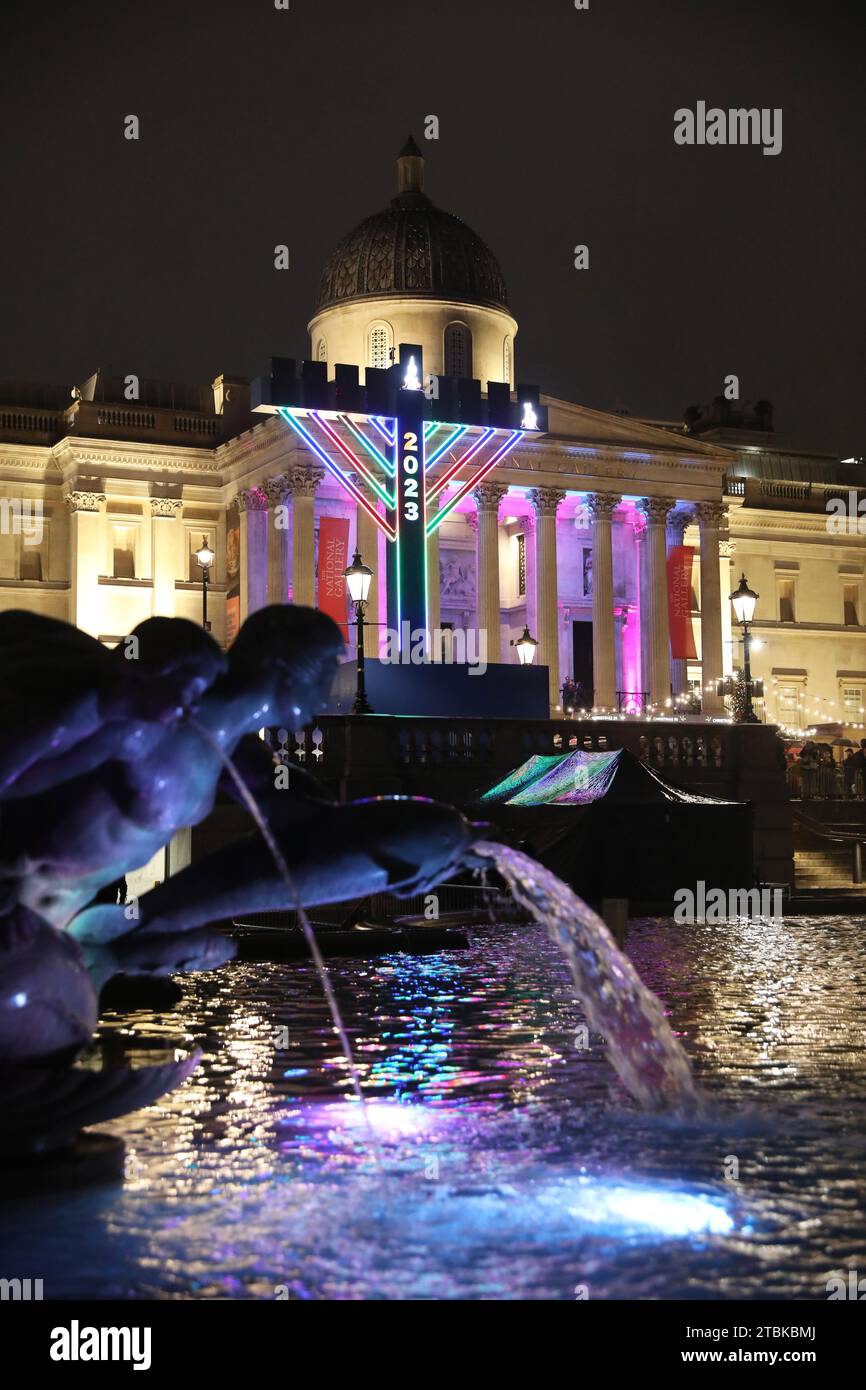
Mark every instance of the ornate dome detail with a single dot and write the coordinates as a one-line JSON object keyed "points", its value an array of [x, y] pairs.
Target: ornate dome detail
{"points": [[413, 247]]}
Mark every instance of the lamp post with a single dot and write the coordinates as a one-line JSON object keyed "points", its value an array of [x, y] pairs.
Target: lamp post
{"points": [[358, 579], [205, 557], [526, 647], [744, 600]]}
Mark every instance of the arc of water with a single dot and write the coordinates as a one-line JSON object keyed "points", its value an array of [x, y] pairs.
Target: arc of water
{"points": [[276, 853]]}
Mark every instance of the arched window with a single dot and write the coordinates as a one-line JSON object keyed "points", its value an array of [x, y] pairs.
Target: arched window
{"points": [[321, 350], [458, 350], [506, 361], [379, 344]]}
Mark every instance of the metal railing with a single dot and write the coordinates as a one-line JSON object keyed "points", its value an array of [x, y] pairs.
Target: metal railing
{"points": [[823, 783]]}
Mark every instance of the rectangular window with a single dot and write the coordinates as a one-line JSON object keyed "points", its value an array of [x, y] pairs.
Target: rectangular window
{"points": [[852, 605], [789, 696], [785, 589], [30, 566], [521, 565], [123, 552]]}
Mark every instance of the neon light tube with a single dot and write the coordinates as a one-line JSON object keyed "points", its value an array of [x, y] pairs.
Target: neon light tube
{"points": [[475, 480], [443, 448], [354, 460], [455, 467], [369, 446], [338, 473]]}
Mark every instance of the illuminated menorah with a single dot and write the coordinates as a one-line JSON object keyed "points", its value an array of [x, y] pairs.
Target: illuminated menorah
{"points": [[408, 443]]}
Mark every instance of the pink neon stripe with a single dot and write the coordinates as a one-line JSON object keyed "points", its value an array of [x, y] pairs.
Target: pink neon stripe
{"points": [[346, 451], [483, 470]]}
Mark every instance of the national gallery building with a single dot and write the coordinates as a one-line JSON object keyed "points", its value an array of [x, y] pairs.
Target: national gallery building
{"points": [[615, 541]]}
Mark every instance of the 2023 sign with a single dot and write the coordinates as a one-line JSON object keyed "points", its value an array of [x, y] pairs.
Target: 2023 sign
{"points": [[410, 475]]}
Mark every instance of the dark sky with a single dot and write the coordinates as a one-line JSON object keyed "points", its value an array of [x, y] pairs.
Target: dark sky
{"points": [[261, 126]]}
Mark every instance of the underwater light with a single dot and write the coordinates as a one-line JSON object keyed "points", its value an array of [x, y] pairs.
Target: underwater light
{"points": [[665, 1211]]}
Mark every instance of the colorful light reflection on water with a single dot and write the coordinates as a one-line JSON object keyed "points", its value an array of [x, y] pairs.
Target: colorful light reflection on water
{"points": [[507, 1163]]}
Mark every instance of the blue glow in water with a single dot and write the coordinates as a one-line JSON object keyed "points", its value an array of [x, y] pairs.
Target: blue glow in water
{"points": [[664, 1211]]}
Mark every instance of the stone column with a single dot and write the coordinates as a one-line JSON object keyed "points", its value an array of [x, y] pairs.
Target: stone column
{"points": [[87, 557], [545, 500], [487, 497], [601, 507], [305, 481], [654, 601], [710, 516], [253, 510], [727, 551], [677, 522], [277, 491], [165, 513]]}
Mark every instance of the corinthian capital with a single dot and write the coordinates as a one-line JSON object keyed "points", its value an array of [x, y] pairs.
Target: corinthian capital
{"points": [[678, 520], [488, 496], [602, 505], [711, 514], [277, 490], [252, 499], [655, 509], [85, 501], [165, 506], [545, 500], [305, 480]]}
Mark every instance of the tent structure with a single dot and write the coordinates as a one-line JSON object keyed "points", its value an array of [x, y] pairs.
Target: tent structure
{"points": [[612, 827], [581, 778]]}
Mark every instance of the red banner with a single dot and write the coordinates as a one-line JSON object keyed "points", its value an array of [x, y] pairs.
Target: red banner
{"points": [[680, 560], [333, 560]]}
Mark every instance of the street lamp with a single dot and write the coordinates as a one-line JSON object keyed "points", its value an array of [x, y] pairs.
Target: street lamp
{"points": [[205, 557], [744, 600], [526, 647], [358, 579]]}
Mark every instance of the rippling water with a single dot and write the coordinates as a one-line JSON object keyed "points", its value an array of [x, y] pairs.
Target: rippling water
{"points": [[511, 1162]]}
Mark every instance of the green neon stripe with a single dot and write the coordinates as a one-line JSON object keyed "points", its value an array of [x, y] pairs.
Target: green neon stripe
{"points": [[371, 448]]}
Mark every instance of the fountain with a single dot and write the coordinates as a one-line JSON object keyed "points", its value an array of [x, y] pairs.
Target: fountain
{"points": [[119, 750]]}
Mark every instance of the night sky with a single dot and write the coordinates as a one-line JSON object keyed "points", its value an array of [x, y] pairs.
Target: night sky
{"points": [[260, 127]]}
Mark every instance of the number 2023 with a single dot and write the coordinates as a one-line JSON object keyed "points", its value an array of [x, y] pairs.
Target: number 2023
{"points": [[410, 483]]}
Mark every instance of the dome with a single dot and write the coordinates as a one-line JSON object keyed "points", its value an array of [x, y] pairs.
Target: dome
{"points": [[412, 248]]}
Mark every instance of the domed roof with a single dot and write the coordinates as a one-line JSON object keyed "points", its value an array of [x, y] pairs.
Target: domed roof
{"points": [[412, 248]]}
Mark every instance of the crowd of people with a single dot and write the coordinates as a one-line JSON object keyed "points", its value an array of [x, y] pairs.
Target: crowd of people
{"points": [[814, 773]]}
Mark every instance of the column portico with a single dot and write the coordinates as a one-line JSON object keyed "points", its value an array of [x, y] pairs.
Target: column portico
{"points": [[165, 513], [86, 535], [654, 598], [253, 511], [710, 517], [545, 501], [277, 491], [304, 483], [678, 520], [487, 497], [601, 507]]}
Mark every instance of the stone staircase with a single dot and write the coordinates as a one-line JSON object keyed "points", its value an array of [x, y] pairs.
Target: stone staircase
{"points": [[829, 867]]}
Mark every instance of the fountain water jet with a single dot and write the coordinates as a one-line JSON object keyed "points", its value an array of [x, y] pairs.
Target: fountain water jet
{"points": [[647, 1057], [282, 868]]}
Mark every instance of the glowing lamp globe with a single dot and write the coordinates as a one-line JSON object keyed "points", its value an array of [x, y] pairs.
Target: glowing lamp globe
{"points": [[744, 600], [526, 648], [204, 555], [358, 579]]}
